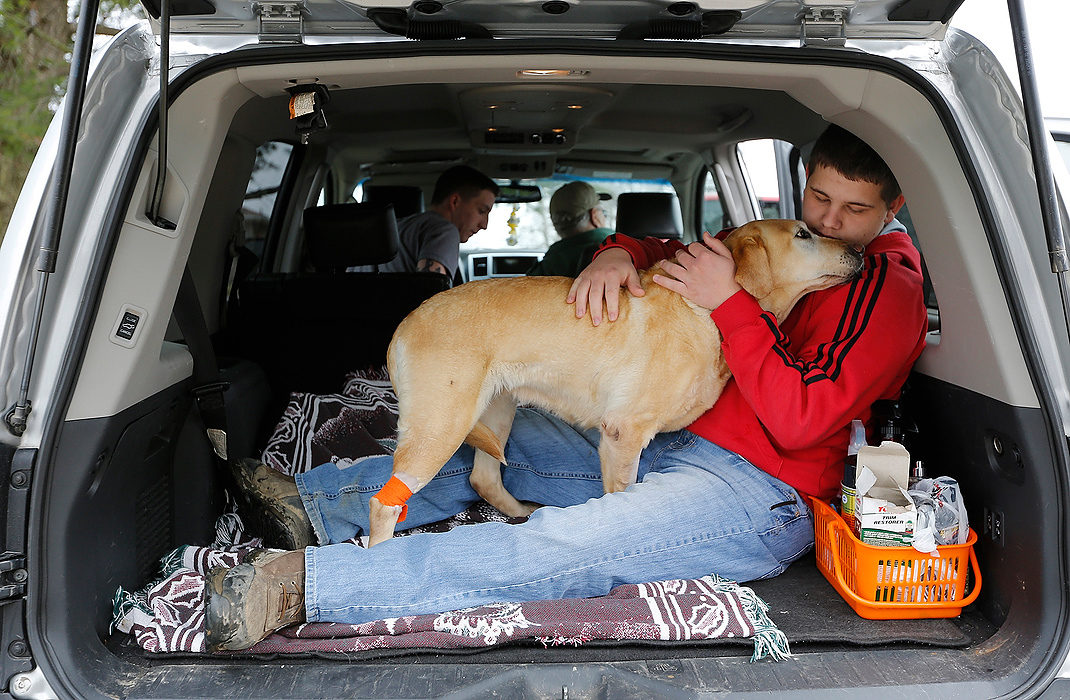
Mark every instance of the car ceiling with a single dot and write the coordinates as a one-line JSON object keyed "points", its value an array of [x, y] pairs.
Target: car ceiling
{"points": [[655, 125]]}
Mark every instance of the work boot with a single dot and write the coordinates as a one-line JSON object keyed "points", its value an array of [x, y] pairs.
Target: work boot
{"points": [[245, 604], [274, 511]]}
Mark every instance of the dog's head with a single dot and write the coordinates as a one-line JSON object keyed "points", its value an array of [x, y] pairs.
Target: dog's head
{"points": [[779, 260]]}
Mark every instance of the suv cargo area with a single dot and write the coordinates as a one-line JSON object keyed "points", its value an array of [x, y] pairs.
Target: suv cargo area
{"points": [[114, 470]]}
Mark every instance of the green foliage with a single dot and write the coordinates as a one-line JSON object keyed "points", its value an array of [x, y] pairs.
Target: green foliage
{"points": [[35, 40], [119, 13], [31, 77]]}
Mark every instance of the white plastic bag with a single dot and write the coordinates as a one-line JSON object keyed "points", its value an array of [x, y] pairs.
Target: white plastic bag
{"points": [[941, 514]]}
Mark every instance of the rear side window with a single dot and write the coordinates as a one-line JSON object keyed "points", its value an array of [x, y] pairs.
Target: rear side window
{"points": [[713, 215], [262, 191], [760, 166], [762, 163], [1064, 151]]}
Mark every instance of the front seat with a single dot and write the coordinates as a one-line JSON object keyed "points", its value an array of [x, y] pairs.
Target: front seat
{"points": [[311, 329], [407, 199], [642, 214]]}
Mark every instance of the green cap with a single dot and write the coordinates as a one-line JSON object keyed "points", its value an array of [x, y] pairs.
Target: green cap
{"points": [[572, 202]]}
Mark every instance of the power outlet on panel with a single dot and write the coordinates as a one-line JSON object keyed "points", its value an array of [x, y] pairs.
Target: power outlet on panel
{"points": [[993, 525]]}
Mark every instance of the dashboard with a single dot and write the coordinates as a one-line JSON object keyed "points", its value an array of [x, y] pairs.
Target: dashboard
{"points": [[501, 263]]}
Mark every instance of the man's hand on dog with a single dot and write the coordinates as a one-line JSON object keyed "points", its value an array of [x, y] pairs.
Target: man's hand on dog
{"points": [[599, 282], [704, 273]]}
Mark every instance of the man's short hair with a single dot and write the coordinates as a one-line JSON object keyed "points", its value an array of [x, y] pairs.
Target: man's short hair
{"points": [[463, 180], [853, 158]]}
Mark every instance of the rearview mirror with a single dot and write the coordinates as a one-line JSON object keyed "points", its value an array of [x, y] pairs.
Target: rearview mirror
{"points": [[514, 193]]}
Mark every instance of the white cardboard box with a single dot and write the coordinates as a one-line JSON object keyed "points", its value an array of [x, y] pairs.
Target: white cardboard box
{"points": [[884, 514]]}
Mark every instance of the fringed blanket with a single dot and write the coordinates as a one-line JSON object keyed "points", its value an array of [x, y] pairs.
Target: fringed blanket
{"points": [[168, 615]]}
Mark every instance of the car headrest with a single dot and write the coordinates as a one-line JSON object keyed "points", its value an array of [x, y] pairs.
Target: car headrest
{"points": [[407, 199], [641, 214], [345, 235]]}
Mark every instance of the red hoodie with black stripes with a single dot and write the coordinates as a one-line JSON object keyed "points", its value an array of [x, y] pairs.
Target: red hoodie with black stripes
{"points": [[796, 387]]}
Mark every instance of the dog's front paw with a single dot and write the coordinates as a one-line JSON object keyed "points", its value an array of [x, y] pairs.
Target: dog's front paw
{"points": [[382, 520]]}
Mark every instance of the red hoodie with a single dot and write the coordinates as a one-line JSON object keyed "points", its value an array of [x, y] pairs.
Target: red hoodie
{"points": [[796, 388]]}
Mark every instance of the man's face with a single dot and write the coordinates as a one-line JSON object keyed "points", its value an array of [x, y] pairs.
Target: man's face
{"points": [[471, 215], [848, 210]]}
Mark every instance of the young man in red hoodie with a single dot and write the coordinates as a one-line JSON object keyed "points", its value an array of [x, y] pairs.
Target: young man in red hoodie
{"points": [[725, 496]]}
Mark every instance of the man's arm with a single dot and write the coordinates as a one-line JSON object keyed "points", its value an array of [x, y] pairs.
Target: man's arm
{"points": [[704, 273], [428, 265], [439, 245]]}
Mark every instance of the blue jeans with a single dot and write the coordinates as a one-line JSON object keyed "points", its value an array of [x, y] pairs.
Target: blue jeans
{"points": [[697, 509]]}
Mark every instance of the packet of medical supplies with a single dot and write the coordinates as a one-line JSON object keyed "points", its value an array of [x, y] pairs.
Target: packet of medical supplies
{"points": [[942, 515], [885, 515]]}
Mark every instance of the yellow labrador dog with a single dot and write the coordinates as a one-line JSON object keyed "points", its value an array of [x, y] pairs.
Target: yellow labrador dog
{"points": [[464, 360]]}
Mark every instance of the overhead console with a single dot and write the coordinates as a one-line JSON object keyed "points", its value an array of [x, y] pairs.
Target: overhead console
{"points": [[537, 118], [517, 166]]}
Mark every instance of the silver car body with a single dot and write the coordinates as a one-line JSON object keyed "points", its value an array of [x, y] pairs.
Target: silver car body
{"points": [[933, 101]]}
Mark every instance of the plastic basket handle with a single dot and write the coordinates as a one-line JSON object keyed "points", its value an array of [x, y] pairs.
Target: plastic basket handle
{"points": [[835, 524]]}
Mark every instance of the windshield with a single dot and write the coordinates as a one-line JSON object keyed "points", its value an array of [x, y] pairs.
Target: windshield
{"points": [[532, 228]]}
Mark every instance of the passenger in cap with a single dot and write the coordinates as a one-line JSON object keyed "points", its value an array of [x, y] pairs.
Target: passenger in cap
{"points": [[579, 219]]}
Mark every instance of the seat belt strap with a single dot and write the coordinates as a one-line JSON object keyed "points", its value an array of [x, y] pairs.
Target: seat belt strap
{"points": [[208, 386]]}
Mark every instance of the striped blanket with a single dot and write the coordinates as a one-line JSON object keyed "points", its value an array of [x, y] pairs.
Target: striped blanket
{"points": [[168, 614]]}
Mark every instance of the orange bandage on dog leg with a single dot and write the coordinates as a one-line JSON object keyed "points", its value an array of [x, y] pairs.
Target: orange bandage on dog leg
{"points": [[395, 493]]}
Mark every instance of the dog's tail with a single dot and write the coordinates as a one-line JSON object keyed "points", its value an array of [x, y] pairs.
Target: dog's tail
{"points": [[483, 438]]}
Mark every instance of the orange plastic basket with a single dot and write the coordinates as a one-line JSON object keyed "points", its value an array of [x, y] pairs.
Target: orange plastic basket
{"points": [[893, 583]]}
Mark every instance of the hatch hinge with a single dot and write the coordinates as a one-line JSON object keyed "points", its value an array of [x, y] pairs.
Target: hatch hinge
{"points": [[281, 22], [825, 26], [31, 685], [12, 576]]}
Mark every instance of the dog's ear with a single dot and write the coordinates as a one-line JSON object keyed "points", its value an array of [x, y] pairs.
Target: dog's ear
{"points": [[753, 271]]}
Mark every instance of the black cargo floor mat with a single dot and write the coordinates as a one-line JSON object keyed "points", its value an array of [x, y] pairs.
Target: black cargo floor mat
{"points": [[808, 609], [801, 603]]}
